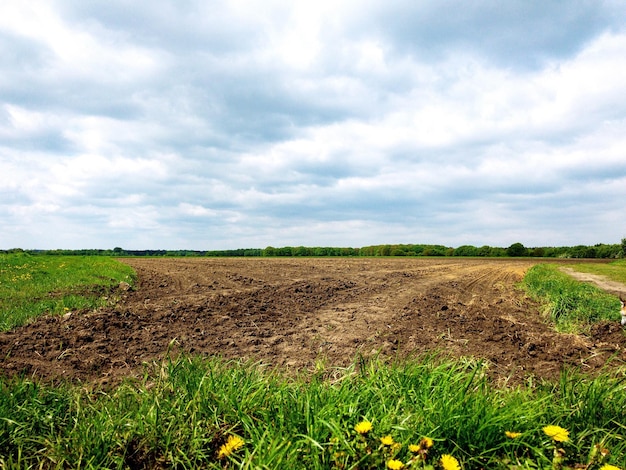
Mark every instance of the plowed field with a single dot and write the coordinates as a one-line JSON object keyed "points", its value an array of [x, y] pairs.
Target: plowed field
{"points": [[299, 313]]}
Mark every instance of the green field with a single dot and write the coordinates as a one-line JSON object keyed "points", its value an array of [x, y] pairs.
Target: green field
{"points": [[571, 305], [33, 285], [191, 412], [615, 270]]}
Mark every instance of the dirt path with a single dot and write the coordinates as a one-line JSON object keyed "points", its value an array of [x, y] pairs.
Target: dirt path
{"points": [[604, 283], [296, 313]]}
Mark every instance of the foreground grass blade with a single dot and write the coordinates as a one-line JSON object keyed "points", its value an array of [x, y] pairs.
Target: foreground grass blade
{"points": [[185, 411]]}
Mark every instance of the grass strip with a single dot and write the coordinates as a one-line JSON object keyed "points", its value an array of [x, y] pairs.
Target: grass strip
{"points": [[32, 285], [207, 413], [571, 305]]}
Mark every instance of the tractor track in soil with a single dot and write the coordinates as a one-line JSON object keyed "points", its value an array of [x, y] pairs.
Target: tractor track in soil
{"points": [[295, 314]]}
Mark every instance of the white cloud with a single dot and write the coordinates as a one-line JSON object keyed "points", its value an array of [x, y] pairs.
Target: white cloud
{"points": [[136, 218], [254, 123], [79, 51]]}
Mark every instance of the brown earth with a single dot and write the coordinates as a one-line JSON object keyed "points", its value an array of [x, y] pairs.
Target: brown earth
{"points": [[297, 314]]}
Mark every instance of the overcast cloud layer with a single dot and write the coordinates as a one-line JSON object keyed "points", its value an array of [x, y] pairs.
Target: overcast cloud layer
{"points": [[230, 124]]}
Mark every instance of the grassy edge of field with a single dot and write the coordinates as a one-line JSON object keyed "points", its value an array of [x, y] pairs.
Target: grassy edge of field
{"points": [[31, 285], [191, 412], [615, 270], [574, 306]]}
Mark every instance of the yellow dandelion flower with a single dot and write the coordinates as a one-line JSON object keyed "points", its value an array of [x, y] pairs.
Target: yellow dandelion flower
{"points": [[387, 440], [426, 442], [232, 444], [557, 433], [606, 466], [512, 435], [395, 464], [414, 448], [363, 427], [449, 463]]}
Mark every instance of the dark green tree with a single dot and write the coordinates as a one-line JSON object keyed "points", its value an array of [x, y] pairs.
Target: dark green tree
{"points": [[269, 251], [466, 250], [516, 249], [484, 250]]}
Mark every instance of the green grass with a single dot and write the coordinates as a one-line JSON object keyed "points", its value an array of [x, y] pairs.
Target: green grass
{"points": [[571, 305], [615, 271], [183, 411], [33, 285]]}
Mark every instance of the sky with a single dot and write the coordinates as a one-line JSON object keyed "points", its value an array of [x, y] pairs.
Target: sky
{"points": [[213, 125]]}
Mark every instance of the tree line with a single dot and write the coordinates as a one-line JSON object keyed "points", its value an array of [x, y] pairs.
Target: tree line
{"points": [[600, 251]]}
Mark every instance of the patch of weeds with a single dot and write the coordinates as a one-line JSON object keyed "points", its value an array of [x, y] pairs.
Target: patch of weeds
{"points": [[571, 305], [31, 286]]}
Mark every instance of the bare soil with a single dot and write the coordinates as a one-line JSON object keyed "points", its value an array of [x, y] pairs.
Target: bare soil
{"points": [[296, 314]]}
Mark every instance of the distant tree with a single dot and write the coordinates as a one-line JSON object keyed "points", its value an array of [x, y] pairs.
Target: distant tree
{"points": [[299, 251], [416, 250], [350, 251], [623, 255], [384, 250], [466, 250], [269, 251], [578, 251], [435, 250], [484, 250], [608, 251], [516, 249], [591, 252], [284, 251], [497, 252]]}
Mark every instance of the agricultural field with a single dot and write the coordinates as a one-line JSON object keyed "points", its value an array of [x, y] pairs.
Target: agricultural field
{"points": [[299, 313], [321, 363]]}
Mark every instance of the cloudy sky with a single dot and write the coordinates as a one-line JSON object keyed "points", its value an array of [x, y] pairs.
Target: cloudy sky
{"points": [[246, 123]]}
